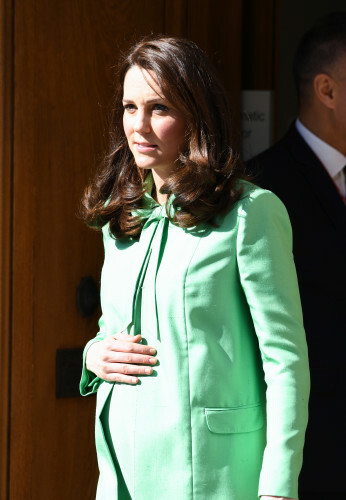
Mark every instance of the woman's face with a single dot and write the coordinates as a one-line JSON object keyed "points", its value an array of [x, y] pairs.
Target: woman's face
{"points": [[154, 129]]}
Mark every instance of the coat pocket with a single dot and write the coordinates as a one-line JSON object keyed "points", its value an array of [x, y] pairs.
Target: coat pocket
{"points": [[235, 420]]}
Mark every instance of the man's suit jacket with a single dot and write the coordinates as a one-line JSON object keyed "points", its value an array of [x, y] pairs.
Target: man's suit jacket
{"points": [[221, 306], [318, 215]]}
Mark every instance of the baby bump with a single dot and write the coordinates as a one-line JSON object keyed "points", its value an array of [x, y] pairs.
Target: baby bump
{"points": [[151, 437]]}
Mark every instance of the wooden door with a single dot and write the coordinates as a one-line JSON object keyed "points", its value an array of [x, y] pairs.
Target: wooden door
{"points": [[57, 70], [63, 59]]}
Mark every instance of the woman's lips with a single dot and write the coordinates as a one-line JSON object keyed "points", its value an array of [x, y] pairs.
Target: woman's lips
{"points": [[144, 146]]}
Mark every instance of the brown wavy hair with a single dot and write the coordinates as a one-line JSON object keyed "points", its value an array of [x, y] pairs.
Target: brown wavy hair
{"points": [[205, 179]]}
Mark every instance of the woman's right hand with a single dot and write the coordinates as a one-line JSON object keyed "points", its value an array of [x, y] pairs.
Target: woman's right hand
{"points": [[120, 357]]}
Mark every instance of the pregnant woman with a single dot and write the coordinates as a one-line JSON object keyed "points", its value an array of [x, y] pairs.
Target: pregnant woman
{"points": [[200, 363]]}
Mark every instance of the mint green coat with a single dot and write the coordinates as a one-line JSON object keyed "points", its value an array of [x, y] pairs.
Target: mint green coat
{"points": [[224, 415]]}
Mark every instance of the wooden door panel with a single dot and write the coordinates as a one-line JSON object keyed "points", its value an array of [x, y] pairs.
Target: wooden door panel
{"points": [[217, 29], [64, 54]]}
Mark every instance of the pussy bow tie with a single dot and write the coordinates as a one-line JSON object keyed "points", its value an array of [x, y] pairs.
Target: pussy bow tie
{"points": [[152, 244]]}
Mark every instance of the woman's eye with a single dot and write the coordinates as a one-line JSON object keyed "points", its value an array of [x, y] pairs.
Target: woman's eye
{"points": [[160, 107], [129, 107]]}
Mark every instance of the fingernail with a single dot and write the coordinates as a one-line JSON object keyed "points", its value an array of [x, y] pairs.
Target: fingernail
{"points": [[148, 370], [152, 351], [152, 360]]}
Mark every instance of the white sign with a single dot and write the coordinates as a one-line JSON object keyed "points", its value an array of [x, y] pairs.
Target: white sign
{"points": [[257, 121]]}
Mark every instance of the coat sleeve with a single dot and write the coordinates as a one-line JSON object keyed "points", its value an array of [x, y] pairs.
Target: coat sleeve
{"points": [[268, 278], [89, 382]]}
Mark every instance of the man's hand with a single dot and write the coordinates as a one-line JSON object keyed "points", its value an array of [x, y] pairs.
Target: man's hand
{"points": [[120, 357]]}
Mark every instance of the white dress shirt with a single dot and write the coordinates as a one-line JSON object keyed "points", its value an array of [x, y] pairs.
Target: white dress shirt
{"points": [[333, 161]]}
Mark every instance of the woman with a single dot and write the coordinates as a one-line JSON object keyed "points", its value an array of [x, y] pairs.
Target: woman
{"points": [[200, 363]]}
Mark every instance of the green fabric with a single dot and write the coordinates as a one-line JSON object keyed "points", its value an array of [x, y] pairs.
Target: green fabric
{"points": [[224, 414]]}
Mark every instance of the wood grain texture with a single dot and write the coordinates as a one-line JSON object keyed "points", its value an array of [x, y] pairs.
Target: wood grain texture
{"points": [[6, 123], [216, 28], [259, 35], [22, 374], [176, 18], [64, 56]]}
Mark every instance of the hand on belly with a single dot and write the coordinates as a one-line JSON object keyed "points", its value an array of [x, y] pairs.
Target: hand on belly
{"points": [[120, 357]]}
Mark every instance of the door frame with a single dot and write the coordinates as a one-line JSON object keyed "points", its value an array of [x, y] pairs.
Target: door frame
{"points": [[6, 186]]}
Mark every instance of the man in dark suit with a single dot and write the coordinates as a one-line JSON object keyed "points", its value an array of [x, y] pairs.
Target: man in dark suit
{"points": [[306, 169]]}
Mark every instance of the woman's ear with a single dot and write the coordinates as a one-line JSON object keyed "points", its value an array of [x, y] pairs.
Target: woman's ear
{"points": [[324, 87]]}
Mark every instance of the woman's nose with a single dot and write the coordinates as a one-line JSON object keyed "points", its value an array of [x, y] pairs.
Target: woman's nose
{"points": [[142, 122]]}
